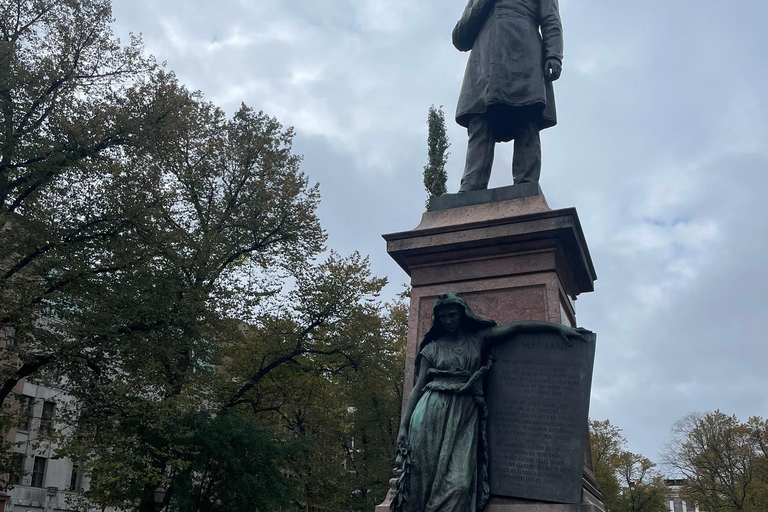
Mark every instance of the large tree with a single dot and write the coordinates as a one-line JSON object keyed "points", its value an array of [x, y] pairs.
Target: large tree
{"points": [[74, 103], [642, 486], [331, 380], [324, 390], [224, 314], [723, 461], [628, 481], [163, 263], [377, 396], [607, 444], [229, 462], [232, 216]]}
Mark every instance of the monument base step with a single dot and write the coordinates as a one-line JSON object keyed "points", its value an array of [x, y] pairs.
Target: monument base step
{"points": [[539, 507], [499, 504], [526, 507]]}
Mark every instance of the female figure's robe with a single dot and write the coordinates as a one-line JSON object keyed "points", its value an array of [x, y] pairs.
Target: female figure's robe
{"points": [[449, 470]]}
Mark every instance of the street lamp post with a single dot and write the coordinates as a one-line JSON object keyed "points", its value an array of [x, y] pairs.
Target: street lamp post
{"points": [[159, 497]]}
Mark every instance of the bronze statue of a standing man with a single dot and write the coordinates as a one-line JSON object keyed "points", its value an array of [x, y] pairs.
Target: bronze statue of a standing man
{"points": [[517, 52]]}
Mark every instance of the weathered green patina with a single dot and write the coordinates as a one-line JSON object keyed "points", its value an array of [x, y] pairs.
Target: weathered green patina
{"points": [[442, 444]]}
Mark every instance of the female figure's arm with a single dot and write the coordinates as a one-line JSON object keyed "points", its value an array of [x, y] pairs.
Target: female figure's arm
{"points": [[416, 394], [506, 331]]}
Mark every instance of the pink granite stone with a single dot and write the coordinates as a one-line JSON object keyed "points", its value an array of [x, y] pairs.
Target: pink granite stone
{"points": [[511, 260]]}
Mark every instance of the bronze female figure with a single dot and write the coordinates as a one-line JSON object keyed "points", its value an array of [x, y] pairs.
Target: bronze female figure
{"points": [[442, 445]]}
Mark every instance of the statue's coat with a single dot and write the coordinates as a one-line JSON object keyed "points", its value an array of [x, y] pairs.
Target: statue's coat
{"points": [[504, 79]]}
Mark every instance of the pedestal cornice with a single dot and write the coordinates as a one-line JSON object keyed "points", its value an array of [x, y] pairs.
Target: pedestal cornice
{"points": [[486, 231]]}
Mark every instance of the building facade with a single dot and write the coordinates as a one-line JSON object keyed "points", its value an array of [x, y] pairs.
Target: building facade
{"points": [[676, 503], [49, 484]]}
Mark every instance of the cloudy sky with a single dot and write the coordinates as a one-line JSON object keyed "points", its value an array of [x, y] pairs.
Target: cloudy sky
{"points": [[662, 146]]}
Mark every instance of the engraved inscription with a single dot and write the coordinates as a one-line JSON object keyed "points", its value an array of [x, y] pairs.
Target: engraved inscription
{"points": [[538, 400], [535, 423]]}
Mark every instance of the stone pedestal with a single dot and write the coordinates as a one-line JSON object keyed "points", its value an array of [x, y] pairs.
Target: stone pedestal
{"points": [[512, 259], [542, 507]]}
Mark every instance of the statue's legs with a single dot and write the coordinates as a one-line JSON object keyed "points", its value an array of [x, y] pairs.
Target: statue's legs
{"points": [[477, 171], [526, 163]]}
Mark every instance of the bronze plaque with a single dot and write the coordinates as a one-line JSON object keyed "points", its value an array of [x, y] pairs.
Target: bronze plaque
{"points": [[538, 408]]}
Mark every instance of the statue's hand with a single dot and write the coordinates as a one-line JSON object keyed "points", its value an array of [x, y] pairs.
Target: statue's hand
{"points": [[569, 333], [402, 438], [552, 69]]}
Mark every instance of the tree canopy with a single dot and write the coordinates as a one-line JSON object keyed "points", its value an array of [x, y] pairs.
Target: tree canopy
{"points": [[76, 108], [628, 481], [723, 461], [162, 262]]}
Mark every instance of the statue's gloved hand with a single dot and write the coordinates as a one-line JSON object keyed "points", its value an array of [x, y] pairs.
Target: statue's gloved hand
{"points": [[552, 69]]}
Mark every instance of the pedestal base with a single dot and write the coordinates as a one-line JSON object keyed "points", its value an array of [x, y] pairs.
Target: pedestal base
{"points": [[539, 507], [384, 507], [589, 503], [512, 258], [523, 507]]}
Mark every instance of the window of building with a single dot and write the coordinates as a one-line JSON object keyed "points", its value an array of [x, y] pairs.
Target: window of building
{"points": [[18, 466], [26, 411], [74, 480], [46, 420], [10, 336], [38, 472]]}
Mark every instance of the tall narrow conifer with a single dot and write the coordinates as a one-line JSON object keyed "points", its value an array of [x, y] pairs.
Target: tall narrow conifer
{"points": [[435, 176]]}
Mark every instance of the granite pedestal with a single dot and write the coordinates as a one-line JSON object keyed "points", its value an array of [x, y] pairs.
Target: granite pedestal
{"points": [[512, 258]]}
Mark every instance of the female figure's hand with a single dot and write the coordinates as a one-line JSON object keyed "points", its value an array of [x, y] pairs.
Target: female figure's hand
{"points": [[507, 331], [402, 438], [568, 333]]}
